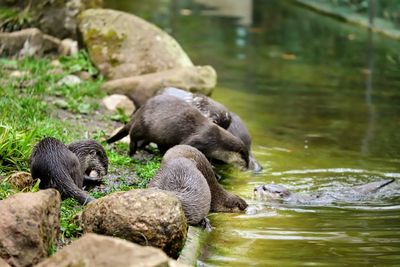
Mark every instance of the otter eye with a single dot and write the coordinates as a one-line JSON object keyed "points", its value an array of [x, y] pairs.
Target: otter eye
{"points": [[264, 187]]}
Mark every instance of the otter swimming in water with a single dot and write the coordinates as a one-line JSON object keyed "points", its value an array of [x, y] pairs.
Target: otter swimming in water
{"points": [[168, 121], [58, 167], [221, 200], [220, 115], [275, 192]]}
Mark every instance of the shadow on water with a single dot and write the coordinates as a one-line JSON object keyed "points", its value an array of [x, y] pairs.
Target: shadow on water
{"points": [[321, 100]]}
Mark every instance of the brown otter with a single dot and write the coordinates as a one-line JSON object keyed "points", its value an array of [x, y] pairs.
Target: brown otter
{"points": [[221, 200], [58, 167], [168, 121], [238, 129], [181, 176], [220, 115], [92, 158], [276, 192], [208, 107]]}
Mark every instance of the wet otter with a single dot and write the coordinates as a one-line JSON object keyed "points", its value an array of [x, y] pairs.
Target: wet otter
{"points": [[58, 167], [238, 129], [275, 192], [220, 115], [221, 200], [168, 121], [92, 158], [181, 176], [208, 107]]}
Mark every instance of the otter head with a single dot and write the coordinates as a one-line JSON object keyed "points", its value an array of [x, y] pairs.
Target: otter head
{"points": [[92, 157], [271, 192]]}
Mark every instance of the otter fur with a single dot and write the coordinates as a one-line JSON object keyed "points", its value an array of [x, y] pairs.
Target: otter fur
{"points": [[58, 167], [168, 121], [220, 115], [180, 176], [194, 161], [211, 109]]}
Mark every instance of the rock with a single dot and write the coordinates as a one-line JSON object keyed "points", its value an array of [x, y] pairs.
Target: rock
{"points": [[57, 18], [21, 180], [112, 102], [68, 47], [196, 79], [18, 74], [3, 263], [69, 80], [103, 251], [123, 45], [29, 226], [28, 42], [84, 75], [147, 217]]}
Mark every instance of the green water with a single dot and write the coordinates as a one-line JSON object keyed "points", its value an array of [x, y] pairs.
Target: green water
{"points": [[322, 102]]}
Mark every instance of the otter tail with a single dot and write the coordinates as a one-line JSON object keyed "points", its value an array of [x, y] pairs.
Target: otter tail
{"points": [[373, 187], [65, 184], [120, 134]]}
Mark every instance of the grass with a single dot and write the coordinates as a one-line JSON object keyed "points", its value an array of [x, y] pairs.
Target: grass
{"points": [[30, 92]]}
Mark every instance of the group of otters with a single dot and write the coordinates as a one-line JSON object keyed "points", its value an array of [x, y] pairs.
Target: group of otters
{"points": [[190, 129]]}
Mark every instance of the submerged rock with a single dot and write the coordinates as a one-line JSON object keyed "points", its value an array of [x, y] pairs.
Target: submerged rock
{"points": [[123, 45], [104, 251], [146, 217], [196, 79], [29, 226]]}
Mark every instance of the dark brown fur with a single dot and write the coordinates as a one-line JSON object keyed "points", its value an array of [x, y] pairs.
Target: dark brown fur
{"points": [[217, 112], [58, 167], [168, 121], [181, 176], [221, 200], [238, 129]]}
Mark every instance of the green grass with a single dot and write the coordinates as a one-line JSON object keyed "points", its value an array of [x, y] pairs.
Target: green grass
{"points": [[26, 102]]}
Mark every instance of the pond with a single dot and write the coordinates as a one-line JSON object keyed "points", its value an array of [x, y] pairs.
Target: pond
{"points": [[322, 102]]}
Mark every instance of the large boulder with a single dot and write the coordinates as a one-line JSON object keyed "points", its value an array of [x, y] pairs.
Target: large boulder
{"points": [[104, 251], [196, 79], [123, 45], [29, 226], [147, 217]]}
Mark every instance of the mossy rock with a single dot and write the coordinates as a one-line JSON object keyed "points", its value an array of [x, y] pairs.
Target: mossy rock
{"points": [[123, 45]]}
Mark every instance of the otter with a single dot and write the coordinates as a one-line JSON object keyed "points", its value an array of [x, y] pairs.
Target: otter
{"points": [[238, 129], [181, 176], [168, 121], [275, 192], [211, 109], [92, 158], [58, 167], [221, 200], [220, 115]]}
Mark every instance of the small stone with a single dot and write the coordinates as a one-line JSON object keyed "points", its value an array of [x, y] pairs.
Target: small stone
{"points": [[115, 101], [68, 47], [61, 103], [147, 217], [84, 75], [55, 63], [103, 251], [21, 180], [69, 80], [18, 74], [56, 71]]}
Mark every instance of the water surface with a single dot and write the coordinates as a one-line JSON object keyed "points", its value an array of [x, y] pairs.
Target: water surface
{"points": [[322, 102]]}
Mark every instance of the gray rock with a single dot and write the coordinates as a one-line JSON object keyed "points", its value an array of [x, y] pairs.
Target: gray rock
{"points": [[29, 226], [196, 79], [115, 101], [69, 80], [103, 251], [123, 45], [146, 217], [28, 42]]}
